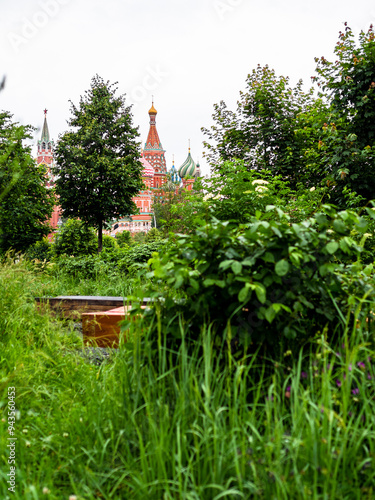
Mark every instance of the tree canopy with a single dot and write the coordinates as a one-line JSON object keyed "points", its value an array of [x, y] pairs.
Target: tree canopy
{"points": [[349, 85], [26, 203], [97, 161], [261, 130], [325, 139]]}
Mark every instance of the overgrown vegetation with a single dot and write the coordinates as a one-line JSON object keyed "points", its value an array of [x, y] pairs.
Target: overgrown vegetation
{"points": [[251, 373], [204, 428], [268, 284]]}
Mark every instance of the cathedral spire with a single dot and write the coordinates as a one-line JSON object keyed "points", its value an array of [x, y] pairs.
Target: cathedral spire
{"points": [[153, 150], [153, 141]]}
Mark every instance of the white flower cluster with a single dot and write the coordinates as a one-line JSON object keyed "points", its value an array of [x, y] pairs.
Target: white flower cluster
{"points": [[262, 188], [260, 181]]}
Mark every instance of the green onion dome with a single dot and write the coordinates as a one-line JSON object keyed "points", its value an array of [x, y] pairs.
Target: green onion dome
{"points": [[188, 168]]}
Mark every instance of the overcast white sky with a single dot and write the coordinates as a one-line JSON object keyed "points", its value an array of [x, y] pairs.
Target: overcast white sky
{"points": [[189, 54]]}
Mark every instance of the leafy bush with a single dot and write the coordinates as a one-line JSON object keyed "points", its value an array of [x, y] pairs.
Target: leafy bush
{"points": [[75, 238], [124, 239], [40, 251], [114, 255], [84, 267], [139, 238], [139, 254], [268, 282], [109, 243], [153, 235]]}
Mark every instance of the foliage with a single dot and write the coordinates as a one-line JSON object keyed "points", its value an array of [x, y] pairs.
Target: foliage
{"points": [[236, 194], [75, 238], [97, 163], [26, 203], [163, 205], [231, 193], [82, 267], [153, 235], [40, 251], [349, 84], [201, 430], [109, 243], [139, 238], [326, 141], [268, 282], [262, 129], [140, 254], [124, 239]]}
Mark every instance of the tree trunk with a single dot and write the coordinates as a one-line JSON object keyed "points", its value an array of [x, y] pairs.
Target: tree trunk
{"points": [[100, 236]]}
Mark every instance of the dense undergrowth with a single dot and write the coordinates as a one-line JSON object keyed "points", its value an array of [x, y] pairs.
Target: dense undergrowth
{"points": [[208, 426]]}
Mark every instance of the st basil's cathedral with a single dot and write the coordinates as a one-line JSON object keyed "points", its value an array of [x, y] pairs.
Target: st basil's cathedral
{"points": [[154, 176]]}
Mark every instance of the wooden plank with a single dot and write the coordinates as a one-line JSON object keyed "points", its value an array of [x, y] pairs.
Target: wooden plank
{"points": [[102, 328]]}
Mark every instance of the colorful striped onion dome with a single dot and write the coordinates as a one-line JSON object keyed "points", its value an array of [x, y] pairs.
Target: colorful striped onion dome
{"points": [[188, 168], [148, 169]]}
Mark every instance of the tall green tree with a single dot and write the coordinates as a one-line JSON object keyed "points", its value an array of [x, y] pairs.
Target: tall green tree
{"points": [[349, 85], [26, 203], [349, 82], [97, 161], [262, 129]]}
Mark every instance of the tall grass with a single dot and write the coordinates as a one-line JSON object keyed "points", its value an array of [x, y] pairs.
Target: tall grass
{"points": [[53, 282], [188, 425]]}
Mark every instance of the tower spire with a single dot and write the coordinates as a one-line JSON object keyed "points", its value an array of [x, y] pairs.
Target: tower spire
{"points": [[153, 150], [45, 132]]}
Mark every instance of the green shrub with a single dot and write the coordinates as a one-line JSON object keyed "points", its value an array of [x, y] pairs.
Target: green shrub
{"points": [[139, 238], [139, 254], [109, 243], [124, 239], [84, 267], [40, 251], [268, 282], [153, 235], [75, 238]]}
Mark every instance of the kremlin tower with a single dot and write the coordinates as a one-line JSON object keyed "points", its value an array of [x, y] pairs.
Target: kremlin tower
{"points": [[45, 150], [45, 157]]}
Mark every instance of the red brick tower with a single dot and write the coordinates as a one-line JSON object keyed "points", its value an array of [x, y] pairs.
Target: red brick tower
{"points": [[45, 157], [45, 148], [154, 152]]}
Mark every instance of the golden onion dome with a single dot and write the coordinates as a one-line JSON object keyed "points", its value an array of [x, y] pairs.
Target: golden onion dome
{"points": [[152, 110]]}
